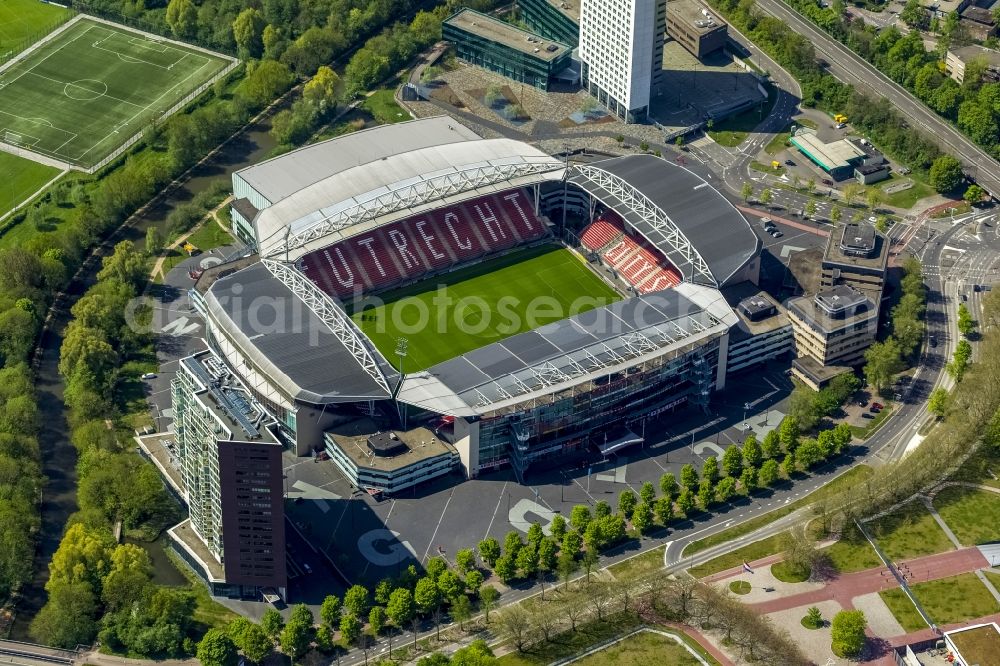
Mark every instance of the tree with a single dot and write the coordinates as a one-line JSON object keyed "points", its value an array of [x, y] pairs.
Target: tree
{"points": [[874, 197], [126, 264], [768, 473], [835, 214], [272, 623], [489, 550], [182, 17], [809, 453], [706, 494], [626, 502], [814, 617], [851, 192], [788, 464], [748, 479], [771, 447], [254, 643], [515, 624], [465, 560], [512, 543], [647, 493], [527, 561], [474, 581], [461, 610], [350, 629], [365, 69], [883, 361], [450, 584], [320, 91], [965, 322], [937, 402], [248, 32], [488, 600], [589, 561], [664, 509], [974, 194], [579, 517], [810, 209], [216, 649], [546, 555], [565, 567], [356, 600], [960, 360], [848, 633], [571, 543], [689, 477], [710, 469], [427, 595], [377, 617], [535, 534], [384, 590], [400, 608], [726, 489], [68, 618], [506, 568], [765, 196], [732, 461], [642, 517], [946, 174], [668, 485], [746, 191], [685, 501], [601, 509], [914, 15], [557, 528]]}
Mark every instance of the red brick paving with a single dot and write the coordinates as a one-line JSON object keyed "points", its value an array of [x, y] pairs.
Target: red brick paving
{"points": [[700, 639], [921, 636]]}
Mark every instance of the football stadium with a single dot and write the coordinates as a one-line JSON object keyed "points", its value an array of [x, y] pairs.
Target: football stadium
{"points": [[420, 299]]}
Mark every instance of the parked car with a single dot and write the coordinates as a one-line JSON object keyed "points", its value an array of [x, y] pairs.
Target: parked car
{"points": [[149, 375], [867, 415], [840, 125], [933, 341], [878, 404], [789, 163], [766, 222], [874, 410], [775, 233]]}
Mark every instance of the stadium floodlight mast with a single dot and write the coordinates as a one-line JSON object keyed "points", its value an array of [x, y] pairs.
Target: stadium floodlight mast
{"points": [[402, 350]]}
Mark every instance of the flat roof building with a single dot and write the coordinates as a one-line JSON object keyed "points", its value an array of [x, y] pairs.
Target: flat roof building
{"points": [[553, 19], [837, 158], [763, 332], [696, 28], [957, 59], [832, 330], [856, 255], [505, 49], [621, 48]]}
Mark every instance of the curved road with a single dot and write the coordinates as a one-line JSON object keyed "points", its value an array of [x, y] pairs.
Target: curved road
{"points": [[852, 68]]}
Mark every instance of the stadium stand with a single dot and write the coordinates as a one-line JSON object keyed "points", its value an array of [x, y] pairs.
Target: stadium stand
{"points": [[639, 265], [600, 234], [432, 241]]}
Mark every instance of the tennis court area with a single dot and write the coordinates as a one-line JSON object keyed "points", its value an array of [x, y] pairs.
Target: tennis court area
{"points": [[86, 90]]}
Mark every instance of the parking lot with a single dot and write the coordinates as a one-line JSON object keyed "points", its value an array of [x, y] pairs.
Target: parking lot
{"points": [[366, 539]]}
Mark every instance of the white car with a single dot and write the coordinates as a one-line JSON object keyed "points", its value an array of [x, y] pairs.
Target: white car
{"points": [[149, 375]]}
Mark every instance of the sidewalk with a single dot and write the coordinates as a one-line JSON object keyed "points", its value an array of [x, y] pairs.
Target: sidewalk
{"points": [[845, 588]]}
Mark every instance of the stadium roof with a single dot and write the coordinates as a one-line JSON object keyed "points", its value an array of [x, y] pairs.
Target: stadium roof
{"points": [[715, 239], [283, 176], [397, 177], [282, 338], [571, 351]]}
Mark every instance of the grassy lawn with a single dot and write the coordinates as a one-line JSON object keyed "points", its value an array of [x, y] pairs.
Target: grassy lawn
{"points": [[910, 532], [731, 132], [734, 558], [21, 178], [947, 600], [767, 168], [850, 477], [638, 566], [993, 578], [983, 467], [481, 310], [852, 553], [209, 613], [208, 237], [740, 587], [570, 643], [642, 648], [781, 140], [907, 198], [973, 515], [23, 22], [786, 572], [382, 105]]}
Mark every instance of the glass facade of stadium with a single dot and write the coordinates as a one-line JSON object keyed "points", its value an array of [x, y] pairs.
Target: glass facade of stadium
{"points": [[579, 418]]}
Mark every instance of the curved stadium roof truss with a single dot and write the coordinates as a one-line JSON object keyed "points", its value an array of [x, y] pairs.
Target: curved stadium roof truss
{"points": [[408, 194], [335, 318], [652, 214]]}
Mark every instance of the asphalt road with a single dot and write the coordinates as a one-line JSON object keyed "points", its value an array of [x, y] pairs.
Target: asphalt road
{"points": [[851, 68]]}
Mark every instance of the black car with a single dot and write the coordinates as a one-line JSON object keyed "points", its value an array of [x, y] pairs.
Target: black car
{"points": [[933, 341], [789, 163]]}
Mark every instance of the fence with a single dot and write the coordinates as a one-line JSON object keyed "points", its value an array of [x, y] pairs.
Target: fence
{"points": [[35, 37]]}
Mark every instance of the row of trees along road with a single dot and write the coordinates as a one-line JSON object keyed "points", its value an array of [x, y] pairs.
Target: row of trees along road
{"points": [[875, 118]]}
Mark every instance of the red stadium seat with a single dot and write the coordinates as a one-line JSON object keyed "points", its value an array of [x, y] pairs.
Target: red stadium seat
{"points": [[433, 241], [634, 259]]}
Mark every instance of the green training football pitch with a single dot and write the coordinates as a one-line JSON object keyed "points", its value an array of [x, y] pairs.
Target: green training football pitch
{"points": [[85, 91], [25, 21], [473, 307]]}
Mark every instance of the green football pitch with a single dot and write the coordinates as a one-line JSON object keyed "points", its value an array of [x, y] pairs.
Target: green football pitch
{"points": [[85, 91], [455, 313], [25, 21]]}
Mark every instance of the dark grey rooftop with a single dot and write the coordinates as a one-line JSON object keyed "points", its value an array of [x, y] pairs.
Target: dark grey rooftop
{"points": [[559, 352], [716, 229], [849, 247], [840, 298], [286, 341]]}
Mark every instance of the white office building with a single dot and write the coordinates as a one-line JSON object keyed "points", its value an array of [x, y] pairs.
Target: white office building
{"points": [[621, 48]]}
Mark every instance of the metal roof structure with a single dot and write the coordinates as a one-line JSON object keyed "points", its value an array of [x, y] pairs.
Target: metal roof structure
{"points": [[283, 335], [570, 351], [830, 156], [394, 186], [282, 176], [676, 210]]}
